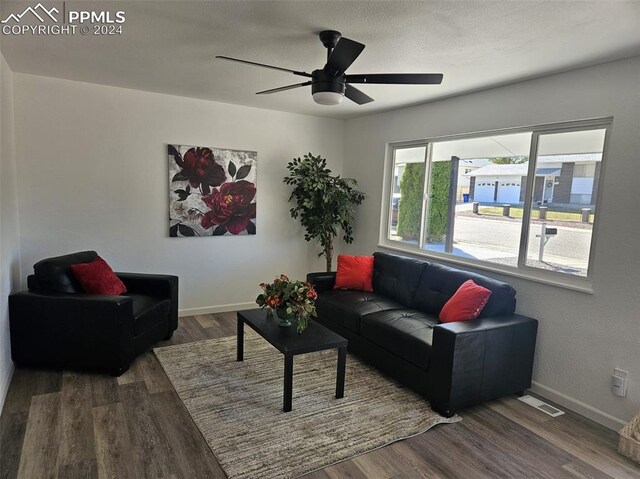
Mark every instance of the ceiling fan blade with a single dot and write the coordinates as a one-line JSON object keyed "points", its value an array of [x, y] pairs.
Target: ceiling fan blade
{"points": [[303, 74], [397, 78], [342, 56], [283, 88], [355, 95]]}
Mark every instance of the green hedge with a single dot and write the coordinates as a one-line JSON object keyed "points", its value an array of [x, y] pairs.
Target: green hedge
{"points": [[439, 201], [410, 205]]}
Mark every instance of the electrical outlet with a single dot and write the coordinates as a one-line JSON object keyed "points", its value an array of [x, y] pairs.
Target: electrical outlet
{"points": [[619, 382]]}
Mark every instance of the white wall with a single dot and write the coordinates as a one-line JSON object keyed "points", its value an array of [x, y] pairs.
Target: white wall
{"points": [[9, 231], [92, 174], [582, 337]]}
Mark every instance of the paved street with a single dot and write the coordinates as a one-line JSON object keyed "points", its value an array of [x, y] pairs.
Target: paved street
{"points": [[498, 240], [486, 238]]}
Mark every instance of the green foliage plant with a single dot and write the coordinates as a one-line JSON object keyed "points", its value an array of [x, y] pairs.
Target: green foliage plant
{"points": [[324, 203], [438, 201], [410, 204], [509, 160]]}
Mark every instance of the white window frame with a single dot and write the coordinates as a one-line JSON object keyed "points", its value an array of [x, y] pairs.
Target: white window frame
{"points": [[522, 270]]}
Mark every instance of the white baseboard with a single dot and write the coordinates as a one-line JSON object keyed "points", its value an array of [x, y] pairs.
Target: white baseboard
{"points": [[577, 406], [4, 387], [223, 308]]}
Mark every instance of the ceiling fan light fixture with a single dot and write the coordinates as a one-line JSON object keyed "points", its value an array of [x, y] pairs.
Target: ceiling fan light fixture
{"points": [[326, 88], [330, 84], [327, 97]]}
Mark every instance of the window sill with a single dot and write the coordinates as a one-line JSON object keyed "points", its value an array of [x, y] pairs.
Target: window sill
{"points": [[582, 285]]}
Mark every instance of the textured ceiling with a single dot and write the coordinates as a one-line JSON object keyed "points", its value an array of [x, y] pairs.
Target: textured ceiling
{"points": [[169, 46]]}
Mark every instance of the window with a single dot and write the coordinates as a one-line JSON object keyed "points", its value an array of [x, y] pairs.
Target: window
{"points": [[405, 211], [570, 212], [586, 170], [502, 207]]}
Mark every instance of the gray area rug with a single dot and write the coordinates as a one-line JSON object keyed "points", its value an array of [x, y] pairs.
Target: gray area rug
{"points": [[238, 407]]}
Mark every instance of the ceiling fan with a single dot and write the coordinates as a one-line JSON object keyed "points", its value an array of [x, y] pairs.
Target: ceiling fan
{"points": [[330, 84]]}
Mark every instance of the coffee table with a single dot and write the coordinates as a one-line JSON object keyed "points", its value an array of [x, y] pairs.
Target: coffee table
{"points": [[287, 340]]}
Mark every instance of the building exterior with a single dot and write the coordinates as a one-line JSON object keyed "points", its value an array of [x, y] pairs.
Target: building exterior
{"points": [[566, 180], [465, 168]]}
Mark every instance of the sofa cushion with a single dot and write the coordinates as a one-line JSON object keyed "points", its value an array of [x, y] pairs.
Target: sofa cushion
{"points": [[467, 303], [97, 277], [439, 283], [397, 277], [354, 272], [148, 311], [54, 275], [405, 332], [346, 307]]}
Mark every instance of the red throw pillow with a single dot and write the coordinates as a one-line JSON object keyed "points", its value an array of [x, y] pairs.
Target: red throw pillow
{"points": [[466, 303], [97, 277], [354, 272]]}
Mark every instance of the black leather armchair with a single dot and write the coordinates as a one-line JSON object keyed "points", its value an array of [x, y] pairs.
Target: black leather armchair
{"points": [[55, 324]]}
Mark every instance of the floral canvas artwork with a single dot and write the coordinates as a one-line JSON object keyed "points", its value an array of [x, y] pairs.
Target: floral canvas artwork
{"points": [[212, 191]]}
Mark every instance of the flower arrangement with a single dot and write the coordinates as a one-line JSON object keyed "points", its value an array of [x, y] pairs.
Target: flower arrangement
{"points": [[289, 299]]}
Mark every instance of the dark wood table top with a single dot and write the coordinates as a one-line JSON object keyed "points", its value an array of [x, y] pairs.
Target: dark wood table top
{"points": [[287, 340]]}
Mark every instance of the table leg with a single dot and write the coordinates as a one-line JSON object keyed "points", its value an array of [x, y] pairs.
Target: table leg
{"points": [[288, 382], [240, 340], [342, 364]]}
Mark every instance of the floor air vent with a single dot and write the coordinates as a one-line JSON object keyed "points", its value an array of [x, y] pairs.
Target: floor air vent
{"points": [[542, 406]]}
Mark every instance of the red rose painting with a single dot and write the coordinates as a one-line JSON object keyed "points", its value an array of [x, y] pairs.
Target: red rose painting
{"points": [[212, 191], [231, 206], [200, 169]]}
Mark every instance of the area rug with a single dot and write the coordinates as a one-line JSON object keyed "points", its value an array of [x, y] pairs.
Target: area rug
{"points": [[238, 407]]}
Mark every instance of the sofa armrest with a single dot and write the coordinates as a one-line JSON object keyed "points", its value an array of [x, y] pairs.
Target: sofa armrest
{"points": [[59, 329], [478, 360], [159, 285], [322, 281]]}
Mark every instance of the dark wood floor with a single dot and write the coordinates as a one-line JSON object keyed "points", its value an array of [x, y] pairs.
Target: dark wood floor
{"points": [[75, 425]]}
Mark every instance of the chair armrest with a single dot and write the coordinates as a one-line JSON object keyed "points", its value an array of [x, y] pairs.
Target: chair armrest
{"points": [[322, 281], [159, 285], [59, 329], [482, 359]]}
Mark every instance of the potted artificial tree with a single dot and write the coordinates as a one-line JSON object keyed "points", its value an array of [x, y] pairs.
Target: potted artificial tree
{"points": [[324, 203]]}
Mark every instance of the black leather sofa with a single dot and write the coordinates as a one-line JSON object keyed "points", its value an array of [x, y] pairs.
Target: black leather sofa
{"points": [[396, 329], [55, 324]]}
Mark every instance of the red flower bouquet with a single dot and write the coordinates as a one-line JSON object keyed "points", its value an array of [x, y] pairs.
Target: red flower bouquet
{"points": [[289, 299]]}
